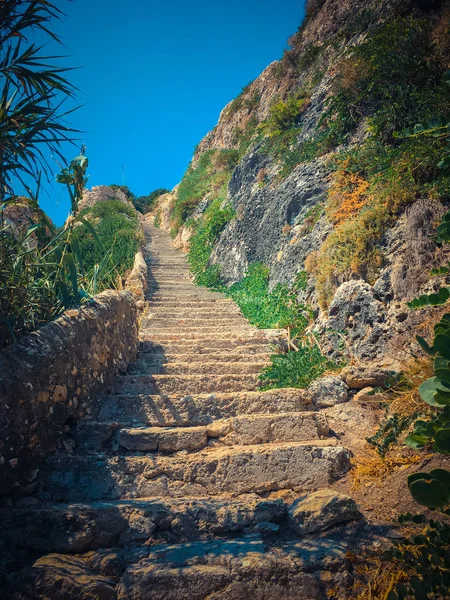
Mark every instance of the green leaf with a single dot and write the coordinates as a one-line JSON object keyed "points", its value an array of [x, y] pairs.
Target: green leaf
{"points": [[416, 441], [442, 441], [62, 289], [73, 274], [442, 345], [424, 344], [415, 477], [429, 492], [428, 392], [444, 293], [442, 475], [90, 228]]}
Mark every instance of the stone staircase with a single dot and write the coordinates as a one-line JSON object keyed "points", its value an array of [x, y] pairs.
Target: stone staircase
{"points": [[177, 486]]}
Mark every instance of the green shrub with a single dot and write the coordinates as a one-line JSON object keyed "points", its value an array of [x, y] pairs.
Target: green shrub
{"points": [[117, 228], [391, 77], [277, 308], [210, 176], [28, 298], [295, 369], [207, 230], [284, 115], [43, 272], [145, 204]]}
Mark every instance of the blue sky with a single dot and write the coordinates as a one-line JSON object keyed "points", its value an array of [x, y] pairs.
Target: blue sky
{"points": [[154, 77]]}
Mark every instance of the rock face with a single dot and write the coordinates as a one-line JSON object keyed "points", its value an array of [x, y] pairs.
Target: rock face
{"points": [[102, 193], [263, 212], [161, 494]]}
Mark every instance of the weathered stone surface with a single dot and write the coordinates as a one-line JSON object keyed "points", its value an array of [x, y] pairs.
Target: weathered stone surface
{"points": [[83, 527], [328, 391], [256, 429], [164, 440], [263, 212], [241, 470], [199, 409], [235, 570], [53, 375], [58, 577], [94, 437], [321, 510], [102, 193], [368, 394], [137, 282], [185, 384], [356, 311], [368, 376]]}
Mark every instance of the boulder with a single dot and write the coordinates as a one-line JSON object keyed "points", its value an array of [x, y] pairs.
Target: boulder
{"points": [[321, 510], [58, 577], [361, 317], [328, 391], [368, 394], [361, 377]]}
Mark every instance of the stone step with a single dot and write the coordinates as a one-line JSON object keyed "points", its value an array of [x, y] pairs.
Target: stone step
{"points": [[300, 466], [95, 437], [162, 277], [202, 366], [194, 296], [184, 313], [167, 266], [200, 409], [166, 276], [205, 347], [243, 568], [185, 384], [160, 358], [83, 527], [251, 335], [172, 323], [178, 289], [204, 328], [210, 302]]}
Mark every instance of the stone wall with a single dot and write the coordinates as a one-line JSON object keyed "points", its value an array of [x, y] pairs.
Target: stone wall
{"points": [[51, 377], [137, 281]]}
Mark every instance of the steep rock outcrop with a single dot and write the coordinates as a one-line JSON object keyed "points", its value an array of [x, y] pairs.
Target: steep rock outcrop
{"points": [[280, 194]]}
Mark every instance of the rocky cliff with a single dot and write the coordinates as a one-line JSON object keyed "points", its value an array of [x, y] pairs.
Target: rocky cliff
{"points": [[309, 160]]}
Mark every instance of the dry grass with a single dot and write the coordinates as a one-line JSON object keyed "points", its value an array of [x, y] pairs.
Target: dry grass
{"points": [[375, 578], [371, 468], [347, 196], [404, 397]]}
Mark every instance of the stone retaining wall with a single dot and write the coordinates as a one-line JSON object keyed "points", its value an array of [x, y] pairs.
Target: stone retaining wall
{"points": [[51, 377], [137, 282]]}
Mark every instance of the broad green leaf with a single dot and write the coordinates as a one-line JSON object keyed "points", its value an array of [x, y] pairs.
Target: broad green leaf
{"points": [[442, 441], [429, 492]]}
